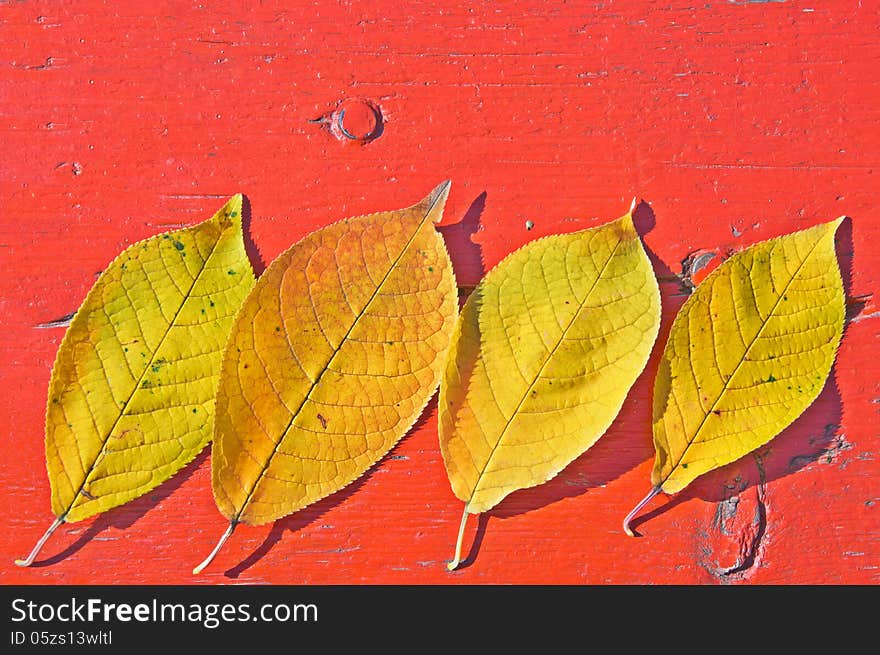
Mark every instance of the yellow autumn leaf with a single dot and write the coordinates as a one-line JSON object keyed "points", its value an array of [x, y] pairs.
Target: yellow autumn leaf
{"points": [[748, 352], [544, 353], [131, 398], [333, 357]]}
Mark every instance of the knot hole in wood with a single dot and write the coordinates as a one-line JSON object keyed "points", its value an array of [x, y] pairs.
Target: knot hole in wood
{"points": [[354, 120]]}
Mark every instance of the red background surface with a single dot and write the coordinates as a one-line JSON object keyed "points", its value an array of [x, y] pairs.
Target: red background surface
{"points": [[735, 122]]}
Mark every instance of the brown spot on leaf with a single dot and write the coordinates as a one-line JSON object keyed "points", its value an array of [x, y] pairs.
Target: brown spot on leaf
{"points": [[132, 434]]}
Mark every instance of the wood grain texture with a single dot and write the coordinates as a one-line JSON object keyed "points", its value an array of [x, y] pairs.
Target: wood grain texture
{"points": [[734, 121]]}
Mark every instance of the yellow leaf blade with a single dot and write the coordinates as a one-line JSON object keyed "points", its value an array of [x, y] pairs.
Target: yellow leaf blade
{"points": [[544, 353], [747, 353], [332, 358], [131, 395]]}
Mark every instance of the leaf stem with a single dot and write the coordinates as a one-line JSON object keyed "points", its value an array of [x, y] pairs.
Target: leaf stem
{"points": [[457, 559], [36, 551], [635, 510], [217, 548]]}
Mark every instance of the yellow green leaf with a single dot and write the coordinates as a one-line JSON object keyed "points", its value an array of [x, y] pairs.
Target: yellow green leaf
{"points": [[544, 353], [333, 357], [747, 353], [131, 398]]}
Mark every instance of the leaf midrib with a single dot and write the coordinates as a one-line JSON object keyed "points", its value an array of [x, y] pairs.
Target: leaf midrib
{"points": [[147, 367], [540, 372], [724, 388], [295, 414]]}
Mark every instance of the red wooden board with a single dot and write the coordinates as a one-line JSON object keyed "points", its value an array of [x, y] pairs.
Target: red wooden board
{"points": [[734, 121]]}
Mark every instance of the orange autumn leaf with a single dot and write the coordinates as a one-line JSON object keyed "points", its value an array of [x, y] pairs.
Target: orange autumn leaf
{"points": [[332, 358]]}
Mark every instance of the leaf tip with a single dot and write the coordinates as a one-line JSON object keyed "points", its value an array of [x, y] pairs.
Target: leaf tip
{"points": [[436, 200], [230, 212], [625, 226]]}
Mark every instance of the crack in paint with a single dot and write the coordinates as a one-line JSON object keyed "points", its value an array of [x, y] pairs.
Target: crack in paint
{"points": [[835, 444], [749, 539]]}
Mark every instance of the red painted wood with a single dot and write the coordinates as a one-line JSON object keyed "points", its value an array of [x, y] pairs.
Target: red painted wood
{"points": [[734, 121]]}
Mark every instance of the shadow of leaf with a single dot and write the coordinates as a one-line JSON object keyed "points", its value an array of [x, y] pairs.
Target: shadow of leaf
{"points": [[465, 253], [250, 246]]}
